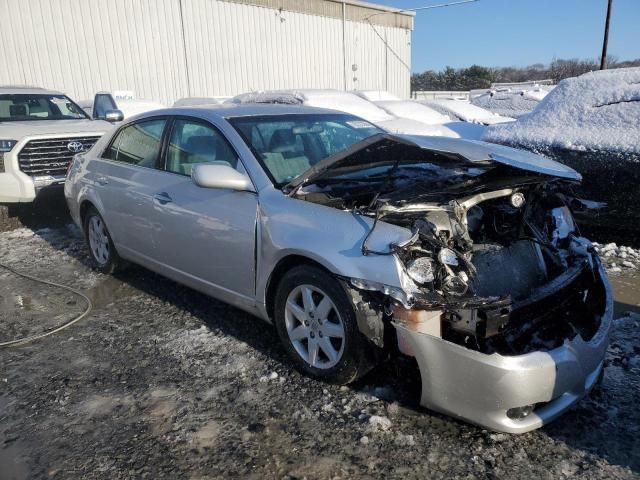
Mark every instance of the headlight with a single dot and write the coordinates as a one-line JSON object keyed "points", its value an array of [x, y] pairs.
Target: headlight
{"points": [[448, 257], [421, 270], [7, 145], [394, 292], [517, 200]]}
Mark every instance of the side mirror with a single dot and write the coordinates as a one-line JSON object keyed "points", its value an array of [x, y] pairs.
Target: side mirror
{"points": [[113, 116], [208, 175]]}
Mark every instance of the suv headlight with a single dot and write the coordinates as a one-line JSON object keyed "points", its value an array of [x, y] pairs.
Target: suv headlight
{"points": [[7, 145]]}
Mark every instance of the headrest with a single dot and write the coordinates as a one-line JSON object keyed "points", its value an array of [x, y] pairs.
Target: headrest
{"points": [[201, 145], [282, 139], [18, 110]]}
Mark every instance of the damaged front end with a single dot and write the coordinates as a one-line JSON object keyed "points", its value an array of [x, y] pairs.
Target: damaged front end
{"points": [[505, 307]]}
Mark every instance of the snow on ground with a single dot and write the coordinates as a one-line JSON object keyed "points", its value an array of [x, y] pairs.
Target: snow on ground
{"points": [[595, 111], [34, 252], [618, 258]]}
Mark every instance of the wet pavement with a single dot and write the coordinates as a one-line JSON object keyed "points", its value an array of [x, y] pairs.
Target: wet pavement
{"points": [[162, 382]]}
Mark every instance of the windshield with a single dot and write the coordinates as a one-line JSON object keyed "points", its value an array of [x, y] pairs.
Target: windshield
{"points": [[26, 107], [288, 145]]}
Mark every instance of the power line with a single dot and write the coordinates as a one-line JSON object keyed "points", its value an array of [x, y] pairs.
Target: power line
{"points": [[427, 7]]}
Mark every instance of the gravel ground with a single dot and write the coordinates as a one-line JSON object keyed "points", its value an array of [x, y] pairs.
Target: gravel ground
{"points": [[162, 382]]}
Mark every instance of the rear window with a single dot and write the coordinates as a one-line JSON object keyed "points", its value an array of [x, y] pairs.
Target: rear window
{"points": [[28, 107]]}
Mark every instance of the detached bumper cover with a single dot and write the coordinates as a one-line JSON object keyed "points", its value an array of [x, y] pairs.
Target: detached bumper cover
{"points": [[481, 388]]}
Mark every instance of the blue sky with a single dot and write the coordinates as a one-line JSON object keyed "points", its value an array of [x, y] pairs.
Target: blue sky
{"points": [[500, 33]]}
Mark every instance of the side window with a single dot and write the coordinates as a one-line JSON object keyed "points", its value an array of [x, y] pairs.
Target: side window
{"points": [[192, 142], [103, 103], [138, 143]]}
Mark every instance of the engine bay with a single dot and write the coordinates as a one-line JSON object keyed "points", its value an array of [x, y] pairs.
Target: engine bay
{"points": [[501, 270]]}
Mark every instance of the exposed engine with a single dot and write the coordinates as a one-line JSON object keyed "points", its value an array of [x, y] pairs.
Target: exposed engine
{"points": [[495, 261], [482, 259]]}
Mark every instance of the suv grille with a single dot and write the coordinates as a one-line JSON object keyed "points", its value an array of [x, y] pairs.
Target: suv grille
{"points": [[51, 156]]}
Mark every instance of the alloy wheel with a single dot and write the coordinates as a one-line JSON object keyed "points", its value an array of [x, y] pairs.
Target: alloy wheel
{"points": [[99, 240], [314, 326]]}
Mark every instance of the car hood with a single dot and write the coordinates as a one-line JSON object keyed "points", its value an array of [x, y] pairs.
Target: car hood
{"points": [[18, 130], [469, 150]]}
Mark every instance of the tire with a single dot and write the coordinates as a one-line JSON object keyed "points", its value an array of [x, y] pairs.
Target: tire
{"points": [[102, 252], [322, 338]]}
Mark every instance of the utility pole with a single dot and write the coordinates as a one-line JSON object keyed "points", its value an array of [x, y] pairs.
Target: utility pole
{"points": [[603, 58]]}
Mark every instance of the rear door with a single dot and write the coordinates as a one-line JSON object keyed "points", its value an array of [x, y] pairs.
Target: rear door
{"points": [[205, 237], [131, 177]]}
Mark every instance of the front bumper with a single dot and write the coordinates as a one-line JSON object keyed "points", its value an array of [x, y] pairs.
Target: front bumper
{"points": [[15, 186], [481, 388]]}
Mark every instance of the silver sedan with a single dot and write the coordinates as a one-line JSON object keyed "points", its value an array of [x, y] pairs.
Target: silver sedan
{"points": [[360, 245]]}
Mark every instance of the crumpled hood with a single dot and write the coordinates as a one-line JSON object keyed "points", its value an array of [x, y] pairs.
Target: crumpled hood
{"points": [[18, 130], [465, 150]]}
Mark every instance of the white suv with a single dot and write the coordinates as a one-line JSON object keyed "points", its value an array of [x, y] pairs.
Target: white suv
{"points": [[40, 132]]}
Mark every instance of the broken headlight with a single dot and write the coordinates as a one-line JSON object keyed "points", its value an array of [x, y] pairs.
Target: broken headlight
{"points": [[448, 257], [421, 270], [394, 292]]}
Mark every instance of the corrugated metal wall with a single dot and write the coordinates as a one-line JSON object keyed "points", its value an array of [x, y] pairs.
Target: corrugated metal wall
{"points": [[167, 49]]}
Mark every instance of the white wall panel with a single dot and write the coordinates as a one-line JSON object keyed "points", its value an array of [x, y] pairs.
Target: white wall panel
{"points": [[82, 46], [167, 49]]}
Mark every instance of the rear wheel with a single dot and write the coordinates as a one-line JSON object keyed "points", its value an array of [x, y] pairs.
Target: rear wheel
{"points": [[101, 249], [316, 323]]}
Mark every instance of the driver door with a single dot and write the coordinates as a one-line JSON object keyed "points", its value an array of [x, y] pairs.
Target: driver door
{"points": [[205, 237]]}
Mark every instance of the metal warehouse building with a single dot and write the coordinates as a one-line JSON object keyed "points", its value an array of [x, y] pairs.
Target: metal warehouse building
{"points": [[167, 49]]}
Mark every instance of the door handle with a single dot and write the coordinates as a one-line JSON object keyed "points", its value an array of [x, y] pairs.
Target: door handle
{"points": [[103, 180], [162, 198]]}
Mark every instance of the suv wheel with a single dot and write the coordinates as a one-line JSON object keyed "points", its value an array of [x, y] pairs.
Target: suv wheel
{"points": [[317, 326], [101, 249]]}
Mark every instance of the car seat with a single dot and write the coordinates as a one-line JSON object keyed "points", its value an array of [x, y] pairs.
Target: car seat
{"points": [[286, 156]]}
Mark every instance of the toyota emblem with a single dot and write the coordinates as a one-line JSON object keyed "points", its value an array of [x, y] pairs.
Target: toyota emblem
{"points": [[75, 147]]}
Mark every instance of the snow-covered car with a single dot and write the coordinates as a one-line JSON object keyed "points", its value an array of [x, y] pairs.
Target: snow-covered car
{"points": [[40, 131], [591, 123], [195, 101], [359, 244], [414, 110], [123, 102], [465, 111], [376, 95], [509, 102], [346, 102], [417, 111]]}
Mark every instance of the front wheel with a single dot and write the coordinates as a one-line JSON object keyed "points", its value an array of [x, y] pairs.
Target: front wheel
{"points": [[101, 249], [316, 323]]}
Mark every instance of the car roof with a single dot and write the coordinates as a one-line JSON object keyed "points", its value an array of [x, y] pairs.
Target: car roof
{"points": [[243, 110], [26, 90]]}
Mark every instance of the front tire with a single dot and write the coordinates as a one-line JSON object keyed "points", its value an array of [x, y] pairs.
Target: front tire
{"points": [[102, 252], [317, 325]]}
